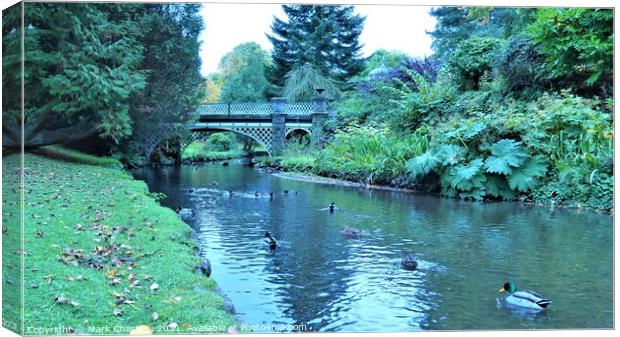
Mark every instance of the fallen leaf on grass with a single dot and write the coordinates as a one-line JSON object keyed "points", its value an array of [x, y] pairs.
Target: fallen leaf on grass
{"points": [[117, 312], [172, 325], [63, 300], [175, 300], [155, 316], [115, 281], [154, 286], [49, 278]]}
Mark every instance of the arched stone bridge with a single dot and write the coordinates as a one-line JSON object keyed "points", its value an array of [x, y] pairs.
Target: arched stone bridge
{"points": [[267, 122]]}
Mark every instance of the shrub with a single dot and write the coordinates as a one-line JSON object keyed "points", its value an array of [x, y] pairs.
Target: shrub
{"points": [[472, 59]]}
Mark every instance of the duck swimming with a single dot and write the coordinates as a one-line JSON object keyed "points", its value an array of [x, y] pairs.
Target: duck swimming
{"points": [[408, 262], [332, 207], [273, 244], [350, 232], [524, 298]]}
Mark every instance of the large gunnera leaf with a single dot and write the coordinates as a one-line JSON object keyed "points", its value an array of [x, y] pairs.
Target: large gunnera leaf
{"points": [[505, 155], [524, 177]]}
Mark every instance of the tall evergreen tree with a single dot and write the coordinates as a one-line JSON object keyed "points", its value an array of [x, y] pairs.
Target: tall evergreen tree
{"points": [[325, 36]]}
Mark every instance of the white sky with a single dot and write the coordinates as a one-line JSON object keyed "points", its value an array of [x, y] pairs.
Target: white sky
{"points": [[400, 28]]}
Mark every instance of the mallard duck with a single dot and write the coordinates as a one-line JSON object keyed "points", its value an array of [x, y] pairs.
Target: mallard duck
{"points": [[524, 298], [332, 207], [350, 232], [408, 262], [271, 241]]}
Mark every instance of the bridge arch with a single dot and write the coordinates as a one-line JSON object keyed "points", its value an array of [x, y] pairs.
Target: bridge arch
{"points": [[291, 130], [263, 136]]}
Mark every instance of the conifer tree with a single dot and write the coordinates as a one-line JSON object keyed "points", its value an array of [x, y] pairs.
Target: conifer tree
{"points": [[325, 36]]}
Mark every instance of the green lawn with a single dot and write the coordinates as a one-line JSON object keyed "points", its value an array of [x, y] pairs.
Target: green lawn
{"points": [[195, 152], [100, 252]]}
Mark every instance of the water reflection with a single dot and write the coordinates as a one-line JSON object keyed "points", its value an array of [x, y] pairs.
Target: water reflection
{"points": [[329, 282]]}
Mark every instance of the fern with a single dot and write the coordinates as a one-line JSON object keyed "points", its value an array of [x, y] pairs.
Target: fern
{"points": [[506, 154], [524, 177]]}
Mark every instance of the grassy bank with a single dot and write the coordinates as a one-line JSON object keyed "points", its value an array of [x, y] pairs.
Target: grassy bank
{"points": [[101, 253], [196, 152]]}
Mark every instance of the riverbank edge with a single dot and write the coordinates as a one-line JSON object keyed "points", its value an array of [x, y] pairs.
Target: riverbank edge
{"points": [[279, 171], [210, 284]]}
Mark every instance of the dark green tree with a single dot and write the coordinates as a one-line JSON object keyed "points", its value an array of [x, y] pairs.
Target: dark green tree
{"points": [[171, 61], [325, 36], [457, 24], [81, 69]]}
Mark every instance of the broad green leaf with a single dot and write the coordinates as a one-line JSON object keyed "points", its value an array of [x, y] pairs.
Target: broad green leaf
{"points": [[466, 177], [524, 177], [497, 186], [451, 154], [422, 164], [506, 154]]}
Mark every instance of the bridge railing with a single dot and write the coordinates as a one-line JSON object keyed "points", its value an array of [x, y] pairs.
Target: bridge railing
{"points": [[260, 108]]}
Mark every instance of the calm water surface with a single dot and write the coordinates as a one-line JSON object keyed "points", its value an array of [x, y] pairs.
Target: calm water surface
{"points": [[322, 280]]}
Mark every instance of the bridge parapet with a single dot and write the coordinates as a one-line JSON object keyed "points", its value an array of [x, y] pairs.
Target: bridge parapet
{"points": [[254, 109]]}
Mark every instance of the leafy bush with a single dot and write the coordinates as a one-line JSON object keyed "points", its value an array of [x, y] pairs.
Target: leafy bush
{"points": [[219, 142], [521, 66], [472, 59], [578, 44], [558, 148]]}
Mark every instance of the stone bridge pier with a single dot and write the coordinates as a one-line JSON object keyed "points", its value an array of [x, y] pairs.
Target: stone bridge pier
{"points": [[278, 121]]}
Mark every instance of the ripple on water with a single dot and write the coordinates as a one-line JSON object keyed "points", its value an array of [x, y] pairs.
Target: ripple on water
{"points": [[464, 251]]}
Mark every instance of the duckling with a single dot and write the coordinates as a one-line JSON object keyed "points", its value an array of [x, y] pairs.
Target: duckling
{"points": [[271, 241], [408, 262], [524, 298], [350, 232], [256, 194]]}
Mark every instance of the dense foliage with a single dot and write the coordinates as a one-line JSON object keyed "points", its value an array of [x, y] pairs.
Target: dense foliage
{"points": [[514, 105], [109, 70]]}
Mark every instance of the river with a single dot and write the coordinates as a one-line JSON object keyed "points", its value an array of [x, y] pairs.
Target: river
{"points": [[319, 280]]}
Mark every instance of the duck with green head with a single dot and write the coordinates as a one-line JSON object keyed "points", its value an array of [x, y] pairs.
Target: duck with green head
{"points": [[524, 298]]}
